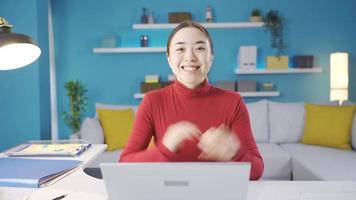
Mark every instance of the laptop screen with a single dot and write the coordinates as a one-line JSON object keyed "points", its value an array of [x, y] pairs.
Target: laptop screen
{"points": [[176, 181]]}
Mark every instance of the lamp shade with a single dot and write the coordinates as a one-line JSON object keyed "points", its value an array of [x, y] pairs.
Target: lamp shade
{"points": [[339, 76], [16, 50]]}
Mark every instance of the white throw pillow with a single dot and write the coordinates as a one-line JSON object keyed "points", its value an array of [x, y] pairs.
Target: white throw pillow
{"points": [[113, 107], [286, 122], [91, 131], [259, 119], [353, 133]]}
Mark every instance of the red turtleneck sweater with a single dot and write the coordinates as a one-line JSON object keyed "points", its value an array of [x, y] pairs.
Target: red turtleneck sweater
{"points": [[206, 107]]}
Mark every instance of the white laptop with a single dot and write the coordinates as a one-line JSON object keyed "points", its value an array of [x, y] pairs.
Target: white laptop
{"points": [[176, 181]]}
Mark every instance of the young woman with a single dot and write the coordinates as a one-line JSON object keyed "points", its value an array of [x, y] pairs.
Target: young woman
{"points": [[191, 120]]}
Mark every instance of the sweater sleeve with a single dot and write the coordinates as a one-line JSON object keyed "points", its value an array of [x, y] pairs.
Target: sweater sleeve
{"points": [[248, 151], [142, 131]]}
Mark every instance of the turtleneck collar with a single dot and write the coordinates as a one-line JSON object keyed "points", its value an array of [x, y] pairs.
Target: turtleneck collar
{"points": [[181, 89]]}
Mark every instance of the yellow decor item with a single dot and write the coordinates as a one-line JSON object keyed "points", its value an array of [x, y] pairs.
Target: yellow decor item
{"points": [[274, 62], [328, 126], [117, 125]]}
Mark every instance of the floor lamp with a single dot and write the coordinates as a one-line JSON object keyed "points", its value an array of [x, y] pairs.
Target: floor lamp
{"points": [[339, 77], [16, 50]]}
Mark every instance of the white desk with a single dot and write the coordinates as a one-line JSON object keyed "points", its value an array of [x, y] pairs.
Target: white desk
{"points": [[257, 190], [87, 157]]}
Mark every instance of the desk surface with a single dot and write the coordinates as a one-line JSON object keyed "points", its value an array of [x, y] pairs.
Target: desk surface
{"points": [[257, 190], [87, 157]]}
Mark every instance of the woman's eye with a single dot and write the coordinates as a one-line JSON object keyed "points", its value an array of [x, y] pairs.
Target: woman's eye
{"points": [[200, 48], [180, 49]]}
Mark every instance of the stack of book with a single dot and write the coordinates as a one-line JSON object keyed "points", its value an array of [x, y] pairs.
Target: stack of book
{"points": [[48, 149], [33, 173]]}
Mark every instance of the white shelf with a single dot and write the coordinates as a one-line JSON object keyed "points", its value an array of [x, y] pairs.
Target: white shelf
{"points": [[139, 95], [130, 50], [260, 94], [206, 25], [279, 71], [244, 94]]}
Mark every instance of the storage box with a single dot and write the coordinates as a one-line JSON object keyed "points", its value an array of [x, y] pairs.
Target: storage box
{"points": [[246, 86], [146, 87], [178, 17], [275, 62], [109, 42], [227, 85], [303, 61], [151, 78], [247, 57]]}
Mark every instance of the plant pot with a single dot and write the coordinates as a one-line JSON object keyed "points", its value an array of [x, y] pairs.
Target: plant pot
{"points": [[277, 62], [255, 19], [75, 136]]}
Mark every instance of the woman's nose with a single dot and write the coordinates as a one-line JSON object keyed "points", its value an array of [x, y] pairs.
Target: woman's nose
{"points": [[190, 56]]}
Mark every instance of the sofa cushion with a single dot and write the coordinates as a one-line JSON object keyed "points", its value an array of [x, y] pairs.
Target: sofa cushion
{"points": [[91, 131], [286, 122], [277, 162], [99, 105], [117, 126], [259, 120], [328, 126], [310, 162]]}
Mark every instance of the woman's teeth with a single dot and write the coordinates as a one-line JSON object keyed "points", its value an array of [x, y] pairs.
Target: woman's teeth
{"points": [[190, 68]]}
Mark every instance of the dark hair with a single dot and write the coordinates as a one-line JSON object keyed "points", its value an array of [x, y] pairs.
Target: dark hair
{"points": [[189, 24]]}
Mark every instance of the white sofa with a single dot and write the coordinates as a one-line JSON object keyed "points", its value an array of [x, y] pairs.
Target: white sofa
{"points": [[278, 129]]}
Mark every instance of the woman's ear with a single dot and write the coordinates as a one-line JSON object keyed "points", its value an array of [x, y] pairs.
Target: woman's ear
{"points": [[168, 60]]}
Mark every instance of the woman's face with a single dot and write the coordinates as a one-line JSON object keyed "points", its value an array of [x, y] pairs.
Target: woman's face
{"points": [[190, 56]]}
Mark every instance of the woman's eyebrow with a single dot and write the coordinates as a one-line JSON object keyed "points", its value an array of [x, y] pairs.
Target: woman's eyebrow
{"points": [[200, 42], [179, 43]]}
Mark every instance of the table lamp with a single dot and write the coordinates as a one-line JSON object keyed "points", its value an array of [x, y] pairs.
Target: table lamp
{"points": [[16, 50], [339, 76]]}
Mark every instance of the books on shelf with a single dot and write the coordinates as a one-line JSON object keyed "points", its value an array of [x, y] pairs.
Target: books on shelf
{"points": [[33, 173], [59, 149]]}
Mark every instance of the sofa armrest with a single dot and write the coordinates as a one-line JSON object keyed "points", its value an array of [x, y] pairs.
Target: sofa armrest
{"points": [[91, 131]]}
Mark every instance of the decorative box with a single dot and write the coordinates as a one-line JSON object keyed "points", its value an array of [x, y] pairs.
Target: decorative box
{"points": [[178, 17], [109, 42], [146, 87], [152, 78], [247, 57], [246, 86], [303, 61], [227, 85], [275, 62]]}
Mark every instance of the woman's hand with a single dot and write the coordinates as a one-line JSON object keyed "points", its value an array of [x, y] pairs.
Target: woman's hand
{"points": [[179, 132], [218, 144]]}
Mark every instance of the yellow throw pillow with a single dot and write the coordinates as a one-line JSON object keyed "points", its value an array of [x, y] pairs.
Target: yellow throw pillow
{"points": [[117, 125], [328, 126]]}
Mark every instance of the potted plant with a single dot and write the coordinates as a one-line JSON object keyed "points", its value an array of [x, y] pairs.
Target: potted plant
{"points": [[76, 92], [274, 24], [256, 15]]}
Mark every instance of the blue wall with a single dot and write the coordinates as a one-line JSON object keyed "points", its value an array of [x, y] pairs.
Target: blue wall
{"points": [[316, 27], [24, 94]]}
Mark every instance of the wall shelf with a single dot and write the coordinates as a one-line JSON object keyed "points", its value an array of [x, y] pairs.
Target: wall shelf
{"points": [[206, 25], [130, 50], [279, 71], [260, 94], [243, 94]]}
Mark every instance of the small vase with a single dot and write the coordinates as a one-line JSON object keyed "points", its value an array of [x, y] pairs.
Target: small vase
{"points": [[255, 19]]}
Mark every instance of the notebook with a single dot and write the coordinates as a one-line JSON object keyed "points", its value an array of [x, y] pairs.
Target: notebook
{"points": [[32, 173], [60, 150], [176, 181]]}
